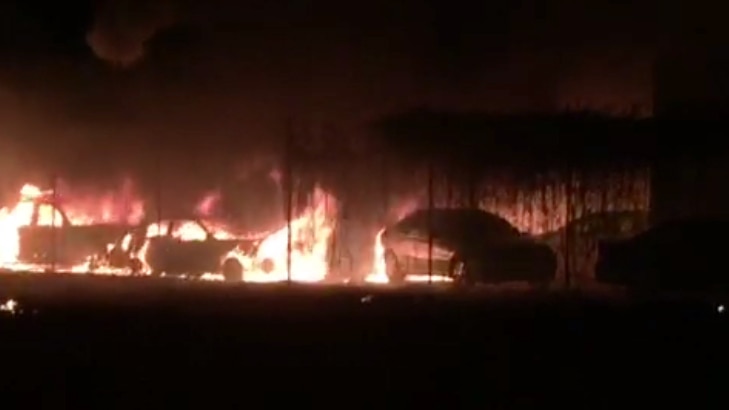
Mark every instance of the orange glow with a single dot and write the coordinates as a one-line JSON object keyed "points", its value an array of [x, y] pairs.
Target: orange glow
{"points": [[311, 233]]}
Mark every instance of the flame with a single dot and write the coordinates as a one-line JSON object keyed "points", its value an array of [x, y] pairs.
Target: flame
{"points": [[378, 274], [36, 207], [206, 206], [310, 235]]}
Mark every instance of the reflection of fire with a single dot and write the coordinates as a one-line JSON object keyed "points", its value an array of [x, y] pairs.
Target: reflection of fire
{"points": [[378, 273], [85, 210]]}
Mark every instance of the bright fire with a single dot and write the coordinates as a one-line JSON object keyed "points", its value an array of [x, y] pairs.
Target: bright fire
{"points": [[36, 207], [310, 235], [311, 232], [378, 274]]}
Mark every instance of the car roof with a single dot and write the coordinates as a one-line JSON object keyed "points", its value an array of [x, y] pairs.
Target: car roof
{"points": [[456, 216]]}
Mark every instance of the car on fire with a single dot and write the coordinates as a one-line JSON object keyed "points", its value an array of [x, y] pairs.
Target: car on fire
{"points": [[50, 238], [185, 247], [467, 245]]}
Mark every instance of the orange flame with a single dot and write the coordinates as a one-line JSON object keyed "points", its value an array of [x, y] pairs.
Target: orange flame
{"points": [[311, 233], [36, 207]]}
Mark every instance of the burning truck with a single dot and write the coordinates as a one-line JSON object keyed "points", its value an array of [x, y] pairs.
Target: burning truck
{"points": [[38, 234]]}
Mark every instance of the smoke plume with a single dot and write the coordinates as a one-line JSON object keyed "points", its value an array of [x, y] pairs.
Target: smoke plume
{"points": [[121, 28]]}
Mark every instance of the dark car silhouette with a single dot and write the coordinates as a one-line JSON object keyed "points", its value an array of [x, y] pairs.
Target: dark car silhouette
{"points": [[168, 251], [467, 245], [578, 239], [677, 255]]}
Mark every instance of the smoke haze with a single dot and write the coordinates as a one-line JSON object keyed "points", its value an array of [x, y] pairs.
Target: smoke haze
{"points": [[123, 84]]}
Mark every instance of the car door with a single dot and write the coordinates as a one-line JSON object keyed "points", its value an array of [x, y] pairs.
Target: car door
{"points": [[44, 240], [428, 245], [195, 250]]}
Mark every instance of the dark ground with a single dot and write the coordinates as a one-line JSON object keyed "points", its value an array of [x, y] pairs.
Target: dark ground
{"points": [[140, 343]]}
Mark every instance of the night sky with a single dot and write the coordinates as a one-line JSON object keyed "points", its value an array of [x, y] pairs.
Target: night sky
{"points": [[86, 79]]}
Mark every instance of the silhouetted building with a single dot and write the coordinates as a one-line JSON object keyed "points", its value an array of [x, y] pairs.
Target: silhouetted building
{"points": [[691, 107], [692, 84]]}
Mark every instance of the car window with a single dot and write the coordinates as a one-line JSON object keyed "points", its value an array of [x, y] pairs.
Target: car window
{"points": [[188, 231], [157, 229], [679, 231], [48, 215], [411, 223]]}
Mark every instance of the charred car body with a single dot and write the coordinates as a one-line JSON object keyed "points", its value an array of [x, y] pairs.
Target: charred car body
{"points": [[184, 247], [678, 255], [467, 246], [52, 239]]}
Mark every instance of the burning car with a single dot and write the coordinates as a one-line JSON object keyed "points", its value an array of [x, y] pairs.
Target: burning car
{"points": [[187, 247], [465, 245], [37, 232]]}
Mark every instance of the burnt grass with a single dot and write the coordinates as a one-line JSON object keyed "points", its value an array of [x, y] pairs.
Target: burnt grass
{"points": [[143, 343]]}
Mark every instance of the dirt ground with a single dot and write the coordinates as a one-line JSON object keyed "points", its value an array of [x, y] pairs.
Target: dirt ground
{"points": [[142, 343]]}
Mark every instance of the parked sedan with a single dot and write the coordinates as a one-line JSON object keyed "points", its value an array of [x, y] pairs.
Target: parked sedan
{"points": [[677, 255], [466, 245]]}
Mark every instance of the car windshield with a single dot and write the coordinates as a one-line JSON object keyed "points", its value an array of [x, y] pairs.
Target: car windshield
{"points": [[686, 230]]}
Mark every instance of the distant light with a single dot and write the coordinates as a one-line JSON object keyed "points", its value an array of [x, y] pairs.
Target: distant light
{"points": [[720, 308], [10, 306], [366, 299]]}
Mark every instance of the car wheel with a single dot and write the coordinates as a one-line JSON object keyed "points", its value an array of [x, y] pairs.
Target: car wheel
{"points": [[267, 265], [393, 270], [135, 266], [232, 270], [542, 285], [460, 272]]}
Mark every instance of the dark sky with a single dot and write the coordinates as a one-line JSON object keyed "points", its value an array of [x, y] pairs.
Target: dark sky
{"points": [[78, 78]]}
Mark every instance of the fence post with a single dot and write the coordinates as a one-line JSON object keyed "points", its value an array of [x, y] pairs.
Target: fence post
{"points": [[569, 192], [431, 205], [288, 178], [158, 191], [54, 233]]}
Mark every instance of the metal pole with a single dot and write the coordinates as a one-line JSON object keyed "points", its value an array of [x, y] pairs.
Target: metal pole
{"points": [[54, 233], [431, 205], [567, 235], [158, 191], [289, 198]]}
